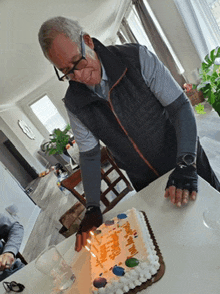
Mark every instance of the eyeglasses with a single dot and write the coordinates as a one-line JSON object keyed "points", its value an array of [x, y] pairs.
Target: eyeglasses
{"points": [[79, 64], [13, 286]]}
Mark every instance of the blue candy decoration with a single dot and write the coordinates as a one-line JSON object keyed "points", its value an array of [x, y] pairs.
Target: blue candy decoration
{"points": [[122, 216], [118, 271]]}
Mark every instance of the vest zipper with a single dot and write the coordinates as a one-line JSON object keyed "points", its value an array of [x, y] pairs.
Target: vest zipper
{"points": [[119, 122]]}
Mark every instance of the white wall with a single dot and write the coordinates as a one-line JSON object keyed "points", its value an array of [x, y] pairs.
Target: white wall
{"points": [[22, 111], [55, 90], [27, 147]]}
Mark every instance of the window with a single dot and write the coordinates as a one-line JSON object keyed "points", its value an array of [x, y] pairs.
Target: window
{"points": [[140, 34], [200, 23], [215, 8], [137, 29], [48, 114]]}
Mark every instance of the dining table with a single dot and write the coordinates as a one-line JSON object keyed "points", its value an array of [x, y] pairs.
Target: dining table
{"points": [[190, 250]]}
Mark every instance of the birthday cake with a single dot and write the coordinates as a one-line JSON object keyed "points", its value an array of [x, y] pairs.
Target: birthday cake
{"points": [[123, 254]]}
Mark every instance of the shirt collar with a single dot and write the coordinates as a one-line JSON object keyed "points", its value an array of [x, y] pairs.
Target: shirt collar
{"points": [[104, 77]]}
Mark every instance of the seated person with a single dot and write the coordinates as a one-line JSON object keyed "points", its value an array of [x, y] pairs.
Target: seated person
{"points": [[11, 235]]}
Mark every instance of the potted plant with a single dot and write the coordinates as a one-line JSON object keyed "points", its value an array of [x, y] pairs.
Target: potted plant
{"points": [[210, 80], [58, 141]]}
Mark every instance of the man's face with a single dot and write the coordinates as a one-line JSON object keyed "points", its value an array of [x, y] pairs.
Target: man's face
{"points": [[64, 54]]}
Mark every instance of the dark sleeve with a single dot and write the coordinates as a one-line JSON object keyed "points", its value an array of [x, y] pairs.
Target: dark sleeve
{"points": [[181, 115], [90, 164], [12, 233]]}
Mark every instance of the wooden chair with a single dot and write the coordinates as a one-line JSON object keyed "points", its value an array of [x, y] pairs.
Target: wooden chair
{"points": [[71, 218], [74, 179]]}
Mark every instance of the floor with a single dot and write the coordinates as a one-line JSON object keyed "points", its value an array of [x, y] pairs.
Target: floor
{"points": [[54, 203]]}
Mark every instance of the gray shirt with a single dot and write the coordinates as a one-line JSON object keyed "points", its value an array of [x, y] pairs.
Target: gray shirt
{"points": [[157, 78], [12, 233]]}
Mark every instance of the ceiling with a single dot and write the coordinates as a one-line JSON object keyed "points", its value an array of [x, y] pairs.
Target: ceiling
{"points": [[23, 66]]}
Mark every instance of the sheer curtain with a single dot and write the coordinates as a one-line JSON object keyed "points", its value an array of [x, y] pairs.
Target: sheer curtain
{"points": [[158, 43], [201, 25]]}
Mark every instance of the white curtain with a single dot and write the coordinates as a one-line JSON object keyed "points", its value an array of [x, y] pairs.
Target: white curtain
{"points": [[201, 25]]}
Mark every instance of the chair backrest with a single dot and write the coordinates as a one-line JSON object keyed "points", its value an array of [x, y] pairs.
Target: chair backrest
{"points": [[74, 179]]}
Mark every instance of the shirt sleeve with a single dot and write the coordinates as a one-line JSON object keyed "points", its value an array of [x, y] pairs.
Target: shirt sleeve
{"points": [[85, 140], [12, 233], [160, 81], [158, 78]]}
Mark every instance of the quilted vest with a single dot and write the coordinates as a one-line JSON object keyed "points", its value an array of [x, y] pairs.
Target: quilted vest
{"points": [[132, 123]]}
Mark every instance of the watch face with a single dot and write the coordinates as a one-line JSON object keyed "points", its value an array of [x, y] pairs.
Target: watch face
{"points": [[188, 159]]}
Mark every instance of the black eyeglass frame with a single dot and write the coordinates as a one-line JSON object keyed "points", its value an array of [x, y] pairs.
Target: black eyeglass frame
{"points": [[9, 286], [83, 53]]}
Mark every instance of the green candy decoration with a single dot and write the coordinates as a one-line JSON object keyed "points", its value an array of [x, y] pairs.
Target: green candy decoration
{"points": [[131, 262]]}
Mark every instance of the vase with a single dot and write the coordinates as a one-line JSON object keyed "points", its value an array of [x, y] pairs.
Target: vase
{"points": [[73, 152]]}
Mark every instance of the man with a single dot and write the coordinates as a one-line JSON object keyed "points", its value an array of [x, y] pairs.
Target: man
{"points": [[11, 235], [125, 97]]}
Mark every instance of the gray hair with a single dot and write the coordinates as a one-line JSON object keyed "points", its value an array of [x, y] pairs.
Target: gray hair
{"points": [[55, 26]]}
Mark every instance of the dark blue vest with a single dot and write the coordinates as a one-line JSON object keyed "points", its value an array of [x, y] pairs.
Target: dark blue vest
{"points": [[132, 123]]}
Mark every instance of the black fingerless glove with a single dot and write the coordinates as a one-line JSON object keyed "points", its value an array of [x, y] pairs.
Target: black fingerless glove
{"points": [[184, 177], [92, 218]]}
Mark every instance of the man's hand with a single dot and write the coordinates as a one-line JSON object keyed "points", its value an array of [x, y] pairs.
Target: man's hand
{"points": [[6, 260], [182, 185], [91, 221]]}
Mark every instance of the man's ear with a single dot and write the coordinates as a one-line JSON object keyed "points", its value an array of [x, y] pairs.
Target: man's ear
{"points": [[88, 41]]}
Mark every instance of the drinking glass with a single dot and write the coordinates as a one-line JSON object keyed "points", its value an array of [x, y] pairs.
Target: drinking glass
{"points": [[51, 263], [211, 218]]}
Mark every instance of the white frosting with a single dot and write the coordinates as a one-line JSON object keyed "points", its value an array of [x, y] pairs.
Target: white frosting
{"points": [[148, 259]]}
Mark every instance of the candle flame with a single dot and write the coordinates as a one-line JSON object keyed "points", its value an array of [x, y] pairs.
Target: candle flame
{"points": [[87, 248], [93, 254]]}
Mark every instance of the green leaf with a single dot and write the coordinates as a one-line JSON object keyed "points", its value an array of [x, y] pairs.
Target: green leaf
{"points": [[58, 141], [217, 52], [211, 98], [212, 55], [200, 109], [200, 86], [52, 151]]}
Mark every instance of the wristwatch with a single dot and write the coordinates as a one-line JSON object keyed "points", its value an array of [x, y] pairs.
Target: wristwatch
{"points": [[186, 160]]}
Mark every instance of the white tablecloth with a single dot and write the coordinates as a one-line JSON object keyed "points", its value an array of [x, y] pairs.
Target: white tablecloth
{"points": [[190, 250]]}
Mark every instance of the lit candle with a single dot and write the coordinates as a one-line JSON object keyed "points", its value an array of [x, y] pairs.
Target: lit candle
{"points": [[92, 245], [95, 257], [95, 237]]}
